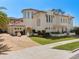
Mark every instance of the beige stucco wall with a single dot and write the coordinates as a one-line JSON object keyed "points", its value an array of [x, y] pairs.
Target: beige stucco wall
{"points": [[43, 24], [12, 30]]}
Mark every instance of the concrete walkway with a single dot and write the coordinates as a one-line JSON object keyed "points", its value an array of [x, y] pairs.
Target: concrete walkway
{"points": [[61, 43]]}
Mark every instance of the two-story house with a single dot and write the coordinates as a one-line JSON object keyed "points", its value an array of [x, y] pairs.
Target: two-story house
{"points": [[50, 21]]}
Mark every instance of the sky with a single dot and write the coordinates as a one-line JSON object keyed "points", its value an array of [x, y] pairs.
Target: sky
{"points": [[14, 7]]}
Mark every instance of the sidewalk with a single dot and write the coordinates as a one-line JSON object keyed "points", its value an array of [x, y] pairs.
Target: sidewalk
{"points": [[60, 43]]}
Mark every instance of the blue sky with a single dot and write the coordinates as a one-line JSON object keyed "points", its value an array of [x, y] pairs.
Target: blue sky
{"points": [[15, 6]]}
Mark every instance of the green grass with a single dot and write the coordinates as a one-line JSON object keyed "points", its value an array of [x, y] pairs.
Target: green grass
{"points": [[70, 46], [44, 41]]}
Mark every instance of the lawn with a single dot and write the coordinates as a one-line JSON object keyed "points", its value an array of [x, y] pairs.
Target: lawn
{"points": [[70, 46], [44, 41]]}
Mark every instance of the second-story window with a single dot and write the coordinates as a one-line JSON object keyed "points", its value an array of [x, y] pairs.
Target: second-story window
{"points": [[27, 14], [32, 15], [47, 18], [38, 22], [51, 18]]}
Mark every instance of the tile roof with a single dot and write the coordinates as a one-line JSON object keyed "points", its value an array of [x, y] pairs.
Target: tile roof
{"points": [[16, 23]]}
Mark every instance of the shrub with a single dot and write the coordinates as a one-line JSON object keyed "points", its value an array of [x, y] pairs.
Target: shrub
{"points": [[55, 32], [72, 31], [76, 30], [33, 31], [43, 32], [39, 32]]}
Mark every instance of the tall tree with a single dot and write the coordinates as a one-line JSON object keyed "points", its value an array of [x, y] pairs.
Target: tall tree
{"points": [[58, 11], [4, 20], [3, 25]]}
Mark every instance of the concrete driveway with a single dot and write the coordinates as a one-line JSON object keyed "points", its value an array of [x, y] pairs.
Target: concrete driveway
{"points": [[40, 52], [17, 43]]}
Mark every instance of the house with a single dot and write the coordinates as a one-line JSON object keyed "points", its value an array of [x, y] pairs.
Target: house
{"points": [[49, 21], [15, 26]]}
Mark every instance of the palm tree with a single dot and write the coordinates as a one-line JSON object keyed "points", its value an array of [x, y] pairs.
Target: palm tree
{"points": [[3, 25], [1, 8], [3, 19], [57, 11], [60, 11]]}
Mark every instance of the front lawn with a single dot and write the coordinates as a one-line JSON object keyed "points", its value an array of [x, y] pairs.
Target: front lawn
{"points": [[44, 41], [70, 46]]}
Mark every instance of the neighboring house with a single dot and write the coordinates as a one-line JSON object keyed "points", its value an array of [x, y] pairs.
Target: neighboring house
{"points": [[50, 21], [15, 26]]}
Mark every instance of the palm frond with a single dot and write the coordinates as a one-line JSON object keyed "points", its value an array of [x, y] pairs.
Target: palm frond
{"points": [[3, 8]]}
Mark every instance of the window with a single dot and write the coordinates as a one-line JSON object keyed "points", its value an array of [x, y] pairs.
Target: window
{"points": [[46, 18], [21, 20], [51, 18], [61, 20], [15, 28], [32, 15], [49, 28], [38, 22], [24, 15], [69, 20], [20, 28], [28, 14]]}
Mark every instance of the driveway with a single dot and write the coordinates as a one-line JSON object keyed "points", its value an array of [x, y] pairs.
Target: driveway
{"points": [[40, 52], [17, 43], [37, 53]]}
